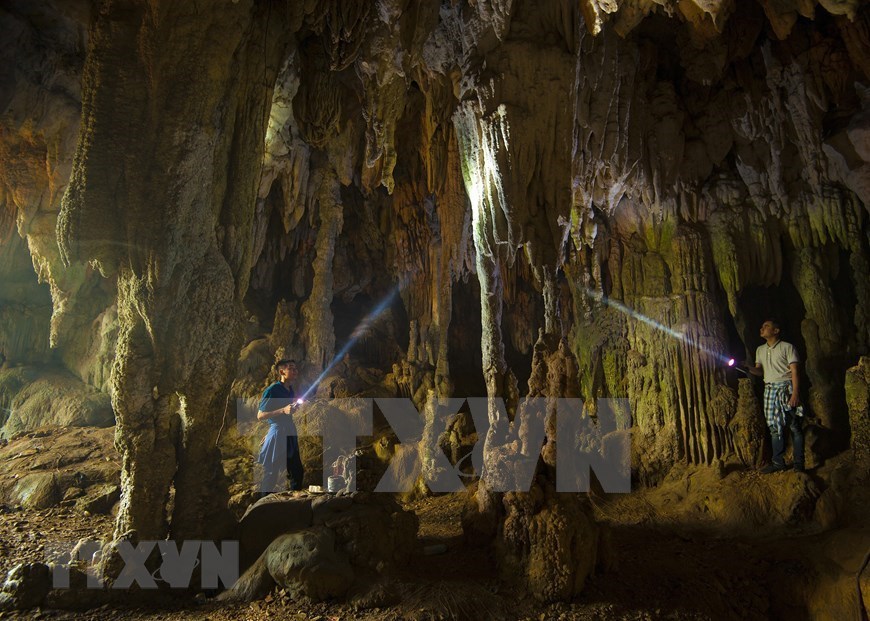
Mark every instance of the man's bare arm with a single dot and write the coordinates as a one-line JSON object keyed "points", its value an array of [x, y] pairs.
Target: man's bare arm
{"points": [[756, 370], [261, 415], [795, 400]]}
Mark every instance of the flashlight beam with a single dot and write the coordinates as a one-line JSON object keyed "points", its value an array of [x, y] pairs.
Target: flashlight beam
{"points": [[355, 336], [599, 297]]}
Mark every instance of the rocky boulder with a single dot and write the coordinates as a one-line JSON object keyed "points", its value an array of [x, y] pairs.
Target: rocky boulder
{"points": [[99, 498], [53, 398], [38, 490], [738, 503], [72, 467], [308, 564], [25, 587], [269, 518], [858, 401], [374, 530], [782, 499]]}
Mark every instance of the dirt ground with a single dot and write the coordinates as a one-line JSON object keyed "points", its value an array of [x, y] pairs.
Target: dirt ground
{"points": [[653, 568]]}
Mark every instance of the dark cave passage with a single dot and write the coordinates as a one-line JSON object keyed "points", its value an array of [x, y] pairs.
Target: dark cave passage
{"points": [[464, 334]]}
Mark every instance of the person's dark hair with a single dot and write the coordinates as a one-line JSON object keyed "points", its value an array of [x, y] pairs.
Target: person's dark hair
{"points": [[282, 362], [774, 322]]}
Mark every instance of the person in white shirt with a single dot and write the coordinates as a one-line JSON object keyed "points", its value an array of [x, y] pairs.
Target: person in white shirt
{"points": [[777, 362]]}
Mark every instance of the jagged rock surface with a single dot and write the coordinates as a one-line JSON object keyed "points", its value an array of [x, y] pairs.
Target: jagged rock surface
{"points": [[646, 180], [49, 467], [858, 400]]}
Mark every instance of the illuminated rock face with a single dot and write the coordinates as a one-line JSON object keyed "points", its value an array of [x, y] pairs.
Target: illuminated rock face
{"points": [[191, 181]]}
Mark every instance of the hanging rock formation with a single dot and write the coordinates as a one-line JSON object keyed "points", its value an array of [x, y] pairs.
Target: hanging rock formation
{"points": [[176, 244], [200, 187]]}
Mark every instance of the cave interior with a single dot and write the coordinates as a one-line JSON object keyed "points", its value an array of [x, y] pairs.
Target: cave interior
{"points": [[484, 210]]}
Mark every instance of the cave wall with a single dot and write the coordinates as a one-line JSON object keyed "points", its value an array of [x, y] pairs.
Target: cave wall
{"points": [[735, 200], [257, 174], [43, 55]]}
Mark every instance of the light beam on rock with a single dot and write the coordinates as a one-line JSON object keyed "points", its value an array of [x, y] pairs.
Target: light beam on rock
{"points": [[599, 297], [362, 327]]}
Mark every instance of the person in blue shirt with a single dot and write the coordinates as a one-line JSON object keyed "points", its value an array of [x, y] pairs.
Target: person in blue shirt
{"points": [[280, 447]]}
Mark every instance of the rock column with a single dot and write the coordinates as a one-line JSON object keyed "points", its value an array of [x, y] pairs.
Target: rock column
{"points": [[162, 195]]}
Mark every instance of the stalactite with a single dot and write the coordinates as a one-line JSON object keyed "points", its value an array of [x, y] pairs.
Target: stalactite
{"points": [[343, 27], [287, 157], [35, 162], [483, 142], [551, 315], [454, 217]]}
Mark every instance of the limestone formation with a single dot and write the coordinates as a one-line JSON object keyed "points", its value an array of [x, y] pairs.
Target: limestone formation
{"points": [[747, 427], [402, 196], [858, 400], [181, 252], [74, 467], [52, 398]]}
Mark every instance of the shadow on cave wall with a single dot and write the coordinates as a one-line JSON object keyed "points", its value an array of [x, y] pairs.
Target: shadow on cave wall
{"points": [[781, 302], [465, 358]]}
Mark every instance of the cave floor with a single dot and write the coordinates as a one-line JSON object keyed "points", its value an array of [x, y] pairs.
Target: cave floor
{"points": [[662, 559], [655, 573]]}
